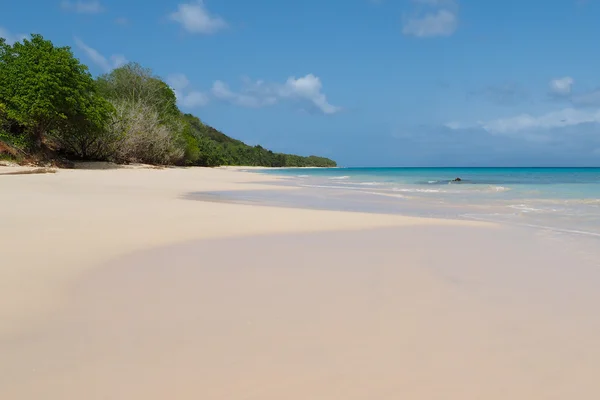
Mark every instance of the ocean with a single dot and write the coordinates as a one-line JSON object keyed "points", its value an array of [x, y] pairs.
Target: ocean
{"points": [[560, 199]]}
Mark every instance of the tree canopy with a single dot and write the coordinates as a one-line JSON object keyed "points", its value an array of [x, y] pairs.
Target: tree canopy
{"points": [[50, 101], [43, 87]]}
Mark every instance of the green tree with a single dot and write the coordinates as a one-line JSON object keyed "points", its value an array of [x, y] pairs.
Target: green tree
{"points": [[86, 136], [128, 115], [43, 86], [216, 148], [146, 120], [136, 84]]}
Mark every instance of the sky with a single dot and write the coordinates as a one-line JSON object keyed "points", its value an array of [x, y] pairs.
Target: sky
{"points": [[365, 82]]}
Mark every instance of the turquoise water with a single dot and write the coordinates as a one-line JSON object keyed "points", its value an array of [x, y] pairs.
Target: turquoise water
{"points": [[564, 199], [545, 182]]}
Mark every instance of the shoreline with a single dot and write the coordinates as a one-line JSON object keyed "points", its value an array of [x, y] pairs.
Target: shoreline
{"points": [[84, 217], [122, 287]]}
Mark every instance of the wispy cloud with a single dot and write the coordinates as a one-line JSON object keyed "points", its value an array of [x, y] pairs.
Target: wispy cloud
{"points": [[185, 97], [567, 145], [82, 7], [505, 94], [252, 96], [433, 18], [106, 64], [122, 21], [529, 123], [195, 18], [590, 98], [562, 89], [561, 86], [306, 90], [11, 38]]}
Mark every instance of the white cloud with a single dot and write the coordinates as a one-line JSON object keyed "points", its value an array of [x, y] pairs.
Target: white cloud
{"points": [[455, 125], [10, 38], [186, 98], [107, 65], [178, 81], [193, 99], [250, 98], [432, 18], [562, 86], [118, 60], [82, 7], [122, 21], [195, 18], [527, 122], [306, 89], [440, 23]]}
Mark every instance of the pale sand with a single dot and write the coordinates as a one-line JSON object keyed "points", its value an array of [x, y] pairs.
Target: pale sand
{"points": [[397, 313], [55, 226], [112, 295]]}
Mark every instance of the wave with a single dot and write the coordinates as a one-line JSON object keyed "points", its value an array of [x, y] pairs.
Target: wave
{"points": [[336, 178], [525, 208], [398, 196], [357, 189], [409, 190], [490, 218], [331, 187]]}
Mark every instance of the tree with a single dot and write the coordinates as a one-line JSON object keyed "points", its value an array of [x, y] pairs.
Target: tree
{"points": [[136, 84], [87, 135], [146, 119], [141, 137], [48, 98], [43, 86]]}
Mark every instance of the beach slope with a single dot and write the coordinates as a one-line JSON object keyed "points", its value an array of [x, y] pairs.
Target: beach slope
{"points": [[120, 287]]}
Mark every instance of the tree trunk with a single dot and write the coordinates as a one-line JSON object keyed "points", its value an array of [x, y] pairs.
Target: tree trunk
{"points": [[37, 137]]}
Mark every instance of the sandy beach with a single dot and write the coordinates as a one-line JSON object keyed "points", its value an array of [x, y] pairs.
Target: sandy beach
{"points": [[117, 285]]}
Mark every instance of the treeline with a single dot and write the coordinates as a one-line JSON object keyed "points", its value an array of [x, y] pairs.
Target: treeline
{"points": [[52, 108]]}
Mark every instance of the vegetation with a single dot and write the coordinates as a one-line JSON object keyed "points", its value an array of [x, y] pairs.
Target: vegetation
{"points": [[52, 108]]}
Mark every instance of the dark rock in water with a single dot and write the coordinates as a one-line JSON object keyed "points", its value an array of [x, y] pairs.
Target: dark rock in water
{"points": [[457, 180]]}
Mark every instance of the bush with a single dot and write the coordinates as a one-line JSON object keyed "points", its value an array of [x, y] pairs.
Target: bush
{"points": [[140, 137]]}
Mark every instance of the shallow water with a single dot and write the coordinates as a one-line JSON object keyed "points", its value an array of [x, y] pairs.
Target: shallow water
{"points": [[561, 199]]}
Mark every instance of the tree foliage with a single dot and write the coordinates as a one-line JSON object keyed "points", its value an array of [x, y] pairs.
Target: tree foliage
{"points": [[48, 99], [141, 137], [137, 85], [44, 88], [224, 150]]}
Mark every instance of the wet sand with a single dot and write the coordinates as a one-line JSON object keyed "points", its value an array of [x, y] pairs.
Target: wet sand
{"points": [[414, 312]]}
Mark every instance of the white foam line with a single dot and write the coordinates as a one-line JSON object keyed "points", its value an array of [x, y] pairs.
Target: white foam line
{"points": [[330, 187], [562, 230]]}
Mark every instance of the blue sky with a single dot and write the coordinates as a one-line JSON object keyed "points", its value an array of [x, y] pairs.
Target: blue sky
{"points": [[366, 82]]}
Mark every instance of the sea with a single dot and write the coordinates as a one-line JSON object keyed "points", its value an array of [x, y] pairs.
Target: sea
{"points": [[558, 199]]}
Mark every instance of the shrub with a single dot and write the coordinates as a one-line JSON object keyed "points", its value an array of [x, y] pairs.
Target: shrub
{"points": [[140, 137]]}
